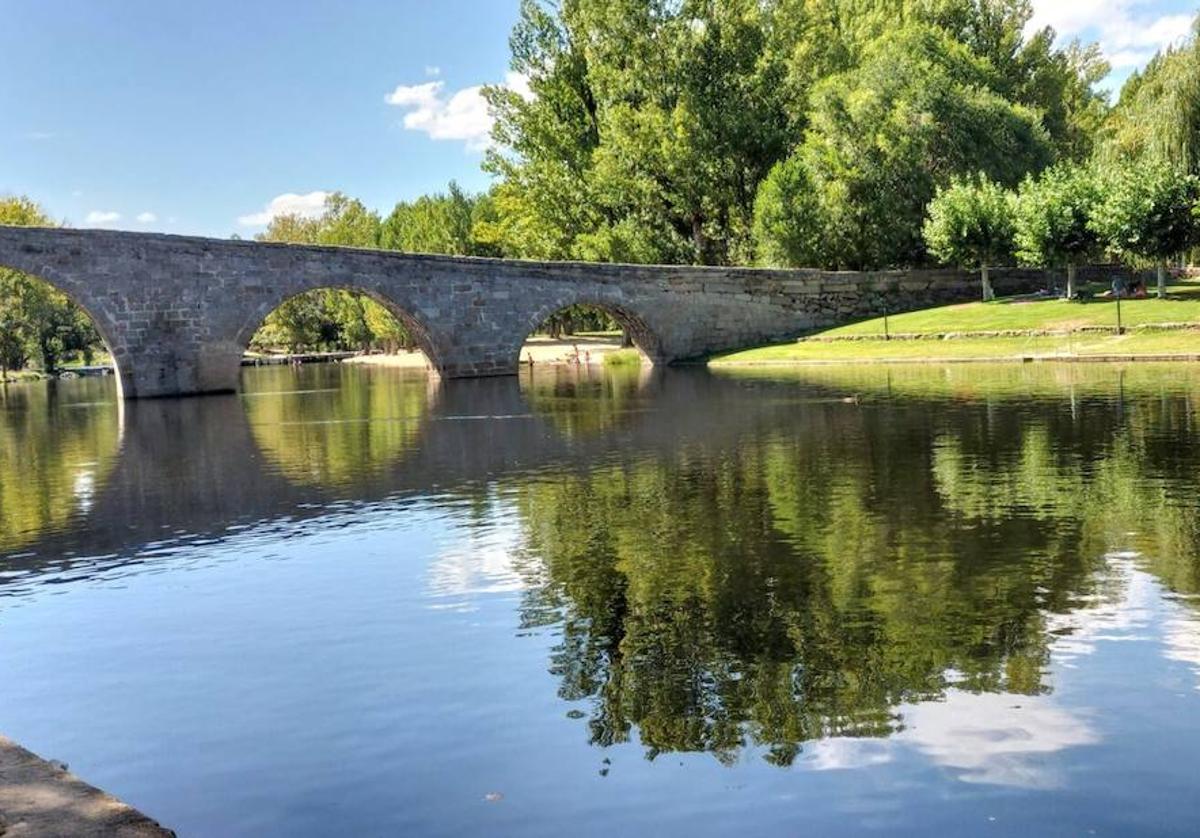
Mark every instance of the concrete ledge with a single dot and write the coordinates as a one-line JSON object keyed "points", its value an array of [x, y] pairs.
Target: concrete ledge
{"points": [[40, 799]]}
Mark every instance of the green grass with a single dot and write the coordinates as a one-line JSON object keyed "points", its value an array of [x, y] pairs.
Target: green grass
{"points": [[99, 359], [1181, 306], [969, 348], [1013, 314], [16, 376], [623, 358]]}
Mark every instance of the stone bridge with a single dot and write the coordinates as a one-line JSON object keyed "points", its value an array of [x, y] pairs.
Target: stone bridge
{"points": [[177, 313]]}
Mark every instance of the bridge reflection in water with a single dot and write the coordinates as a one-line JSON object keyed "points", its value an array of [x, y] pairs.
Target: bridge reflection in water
{"points": [[785, 564]]}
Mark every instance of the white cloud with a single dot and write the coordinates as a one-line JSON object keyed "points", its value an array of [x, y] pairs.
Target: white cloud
{"points": [[98, 218], [432, 70], [147, 218], [289, 203], [990, 738], [842, 753], [995, 739], [519, 83], [1128, 31], [462, 115], [486, 564]]}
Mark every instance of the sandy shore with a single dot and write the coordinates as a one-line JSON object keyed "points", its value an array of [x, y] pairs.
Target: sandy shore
{"points": [[543, 350]]}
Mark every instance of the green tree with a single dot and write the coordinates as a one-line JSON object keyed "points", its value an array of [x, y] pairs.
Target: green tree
{"points": [[918, 111], [820, 38], [970, 224], [1149, 212], [1157, 117], [1054, 219], [788, 226], [441, 223], [654, 124], [651, 124]]}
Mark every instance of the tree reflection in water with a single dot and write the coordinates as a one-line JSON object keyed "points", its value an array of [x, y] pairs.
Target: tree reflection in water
{"points": [[55, 454], [837, 570]]}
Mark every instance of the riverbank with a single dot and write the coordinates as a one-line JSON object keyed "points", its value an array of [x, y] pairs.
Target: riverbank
{"points": [[1015, 329], [39, 798]]}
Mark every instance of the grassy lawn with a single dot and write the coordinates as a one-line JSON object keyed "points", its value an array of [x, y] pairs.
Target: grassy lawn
{"points": [[623, 358], [1182, 306], [100, 359]]}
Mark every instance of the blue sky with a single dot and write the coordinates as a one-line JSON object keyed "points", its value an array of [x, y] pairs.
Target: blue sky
{"points": [[206, 117]]}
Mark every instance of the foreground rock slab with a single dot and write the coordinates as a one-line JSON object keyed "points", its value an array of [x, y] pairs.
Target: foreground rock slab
{"points": [[40, 799]]}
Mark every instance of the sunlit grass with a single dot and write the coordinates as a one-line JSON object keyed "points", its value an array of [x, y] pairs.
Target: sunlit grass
{"points": [[1182, 342], [958, 322], [623, 358], [1181, 306]]}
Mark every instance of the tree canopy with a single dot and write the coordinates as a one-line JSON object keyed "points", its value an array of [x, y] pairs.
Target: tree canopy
{"points": [[1158, 114], [1149, 212], [971, 224], [652, 127], [886, 135], [1054, 218], [453, 223]]}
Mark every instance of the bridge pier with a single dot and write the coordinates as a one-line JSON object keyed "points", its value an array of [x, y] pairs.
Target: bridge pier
{"points": [[157, 361]]}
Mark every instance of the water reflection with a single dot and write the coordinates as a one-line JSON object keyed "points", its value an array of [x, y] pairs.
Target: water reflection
{"points": [[990, 573], [342, 423], [615, 396], [834, 575], [56, 451]]}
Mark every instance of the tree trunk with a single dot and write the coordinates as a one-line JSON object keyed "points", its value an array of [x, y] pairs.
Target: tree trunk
{"points": [[626, 339], [986, 279], [1070, 282], [1162, 280]]}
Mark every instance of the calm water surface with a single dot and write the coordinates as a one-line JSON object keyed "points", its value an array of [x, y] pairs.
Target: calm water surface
{"points": [[350, 601]]}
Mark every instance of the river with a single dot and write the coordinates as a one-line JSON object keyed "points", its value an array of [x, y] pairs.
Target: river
{"points": [[829, 600]]}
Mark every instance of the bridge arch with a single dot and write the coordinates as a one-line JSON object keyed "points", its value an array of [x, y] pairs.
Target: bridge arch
{"points": [[421, 336], [102, 318], [645, 338]]}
